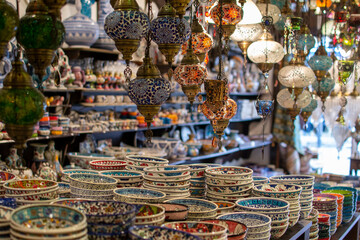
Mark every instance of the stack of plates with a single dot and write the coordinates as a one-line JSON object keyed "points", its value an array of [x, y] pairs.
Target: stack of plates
{"points": [[324, 226], [31, 191], [276, 209], [314, 229], [150, 214], [138, 195], [105, 219], [172, 180], [4, 176], [354, 201], [64, 190], [5, 213], [138, 163], [198, 209], [228, 183], [327, 204], [340, 202], [348, 204], [91, 186], [83, 160], [260, 180], [258, 225], [290, 193], [197, 181], [318, 187], [125, 178], [28, 222], [103, 165], [306, 196], [67, 173]]}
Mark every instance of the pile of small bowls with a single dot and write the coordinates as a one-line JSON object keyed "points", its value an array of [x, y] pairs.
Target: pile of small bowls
{"points": [[314, 229], [349, 207], [150, 214], [306, 196], [260, 180], [228, 183], [327, 204], [104, 218], [324, 226], [139, 163], [347, 210], [125, 178], [83, 159], [204, 230], [103, 165], [235, 230], [31, 191], [5, 213], [68, 172], [172, 180], [225, 207], [64, 190], [91, 186], [288, 192], [158, 233], [197, 180], [276, 209], [175, 212], [258, 225], [199, 209], [138, 195], [340, 203], [4, 176], [62, 222], [318, 187]]}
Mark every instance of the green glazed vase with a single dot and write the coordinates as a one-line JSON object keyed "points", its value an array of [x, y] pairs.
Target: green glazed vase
{"points": [[9, 21]]}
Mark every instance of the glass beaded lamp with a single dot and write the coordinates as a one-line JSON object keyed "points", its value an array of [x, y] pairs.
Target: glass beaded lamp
{"points": [[40, 35], [320, 63], [324, 87], [306, 41], [294, 102], [9, 22], [246, 34], [307, 111], [268, 9]]}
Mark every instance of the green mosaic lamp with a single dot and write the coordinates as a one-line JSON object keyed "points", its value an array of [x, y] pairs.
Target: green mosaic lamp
{"points": [[9, 21]]}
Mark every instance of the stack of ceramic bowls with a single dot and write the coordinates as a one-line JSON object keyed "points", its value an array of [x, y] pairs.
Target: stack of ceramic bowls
{"points": [[159, 233], [306, 196], [91, 186], [197, 181], [138, 163], [260, 180], [105, 219], [225, 207], [150, 214], [138, 195], [175, 212], [64, 190], [349, 213], [228, 183], [125, 178], [340, 202], [198, 209], [236, 230], [318, 187], [68, 172], [327, 204], [5, 213], [31, 191], [347, 210], [314, 229], [33, 222], [4, 176], [276, 209], [258, 225], [288, 192], [104, 165], [324, 226], [172, 180], [83, 159]]}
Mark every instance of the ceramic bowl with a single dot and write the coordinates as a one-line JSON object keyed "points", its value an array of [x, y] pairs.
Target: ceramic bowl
{"points": [[90, 192], [43, 195], [197, 170], [130, 184], [15, 187], [64, 187], [124, 175], [135, 168], [92, 181], [301, 179], [225, 207], [79, 235], [94, 197], [197, 191], [255, 222], [235, 230], [5, 213], [233, 172], [227, 181], [227, 197], [197, 183], [139, 195], [102, 165], [144, 161], [175, 212], [260, 180], [204, 230], [68, 172], [277, 232], [109, 212], [163, 183], [196, 206], [276, 190], [149, 213], [5, 176], [83, 159], [263, 204], [158, 233], [229, 189], [166, 171], [64, 219], [279, 223]]}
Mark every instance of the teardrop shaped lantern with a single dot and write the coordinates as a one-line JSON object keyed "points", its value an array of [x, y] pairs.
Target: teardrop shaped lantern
{"points": [[320, 63], [9, 23], [40, 35]]}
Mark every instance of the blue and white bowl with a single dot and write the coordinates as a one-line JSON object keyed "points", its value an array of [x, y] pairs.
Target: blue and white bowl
{"points": [[229, 189], [260, 180], [139, 195], [92, 182], [124, 175], [276, 190], [255, 222], [67, 173], [293, 179], [229, 172], [263, 204], [167, 172], [158, 233]]}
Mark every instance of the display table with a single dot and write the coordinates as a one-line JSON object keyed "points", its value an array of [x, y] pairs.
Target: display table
{"points": [[300, 231], [348, 231]]}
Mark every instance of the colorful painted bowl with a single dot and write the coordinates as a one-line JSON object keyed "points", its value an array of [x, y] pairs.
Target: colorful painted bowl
{"points": [[260, 180], [5, 176], [148, 213], [278, 232], [158, 233], [229, 189], [144, 161], [196, 206], [263, 204], [124, 175], [102, 165], [68, 172], [91, 192], [233, 172], [175, 212], [83, 159], [197, 170], [225, 207], [43, 195], [167, 172], [255, 222], [276, 190], [235, 230], [227, 181], [15, 187], [206, 231], [138, 195], [71, 236], [293, 179], [92, 181]]}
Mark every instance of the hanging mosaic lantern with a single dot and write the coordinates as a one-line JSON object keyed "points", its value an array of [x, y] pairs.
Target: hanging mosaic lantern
{"points": [[232, 15], [294, 101], [320, 63], [268, 9], [323, 88], [180, 6], [286, 12], [215, 94], [307, 111], [346, 68], [305, 42], [245, 34], [127, 25], [9, 22], [55, 7], [40, 35]]}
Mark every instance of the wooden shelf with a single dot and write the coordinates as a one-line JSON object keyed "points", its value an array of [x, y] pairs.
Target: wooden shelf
{"points": [[300, 231], [96, 53], [348, 231]]}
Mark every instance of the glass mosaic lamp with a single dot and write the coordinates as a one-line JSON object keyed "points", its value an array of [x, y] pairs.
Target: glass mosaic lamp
{"points": [[307, 111], [9, 22], [324, 87], [180, 6], [268, 9], [320, 63], [306, 41], [294, 101], [245, 34]]}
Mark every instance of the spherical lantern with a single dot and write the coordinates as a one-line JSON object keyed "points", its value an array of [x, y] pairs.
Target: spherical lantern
{"points": [[285, 13], [9, 21], [294, 102], [232, 15], [268, 9], [265, 52], [320, 63], [127, 26], [244, 35], [306, 40], [167, 33], [222, 118], [40, 35], [307, 111]]}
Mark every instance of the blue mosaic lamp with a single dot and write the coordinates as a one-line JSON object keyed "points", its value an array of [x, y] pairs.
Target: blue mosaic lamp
{"points": [[306, 40], [307, 111], [320, 63], [324, 87]]}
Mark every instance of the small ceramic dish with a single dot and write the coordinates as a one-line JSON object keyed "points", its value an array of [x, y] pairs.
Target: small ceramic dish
{"points": [[234, 172], [276, 190], [263, 204], [139, 195], [235, 230], [149, 212], [90, 192], [92, 181], [158, 233], [68, 172], [175, 212], [124, 175], [83, 159], [102, 165], [255, 222], [44, 195], [167, 171], [144, 161], [29, 186], [196, 206], [225, 207]]}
